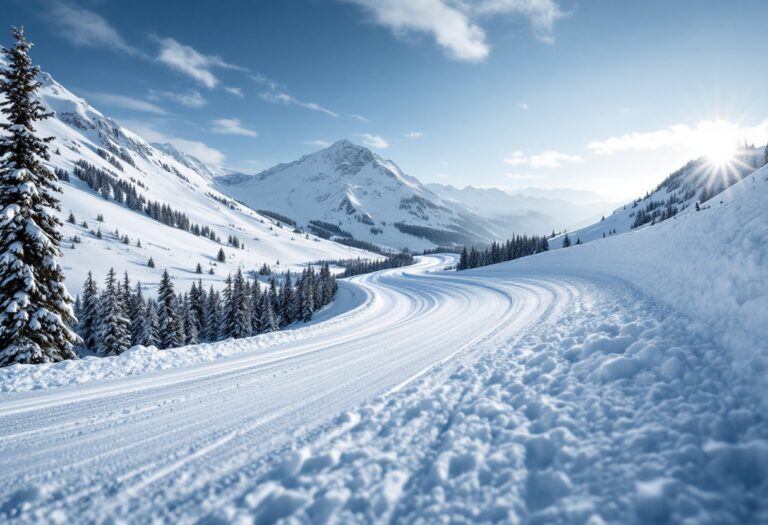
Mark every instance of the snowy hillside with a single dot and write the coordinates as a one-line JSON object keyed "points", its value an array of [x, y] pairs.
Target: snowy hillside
{"points": [[346, 190], [699, 181], [525, 211], [621, 381], [160, 174]]}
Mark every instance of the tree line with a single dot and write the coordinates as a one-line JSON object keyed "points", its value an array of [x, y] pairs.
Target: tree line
{"points": [[118, 316], [514, 248]]}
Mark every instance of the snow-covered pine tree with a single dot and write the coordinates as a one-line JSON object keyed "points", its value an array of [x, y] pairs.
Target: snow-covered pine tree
{"points": [[307, 300], [190, 322], [267, 322], [89, 317], [241, 320], [136, 314], [255, 307], [150, 326], [114, 335], [36, 307], [566, 241], [287, 300], [171, 326], [197, 307], [227, 327], [274, 298], [212, 316]]}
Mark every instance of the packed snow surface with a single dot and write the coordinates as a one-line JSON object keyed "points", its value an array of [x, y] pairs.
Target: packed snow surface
{"points": [[622, 381]]}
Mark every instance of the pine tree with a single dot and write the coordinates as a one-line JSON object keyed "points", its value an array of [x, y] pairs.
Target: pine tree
{"points": [[566, 241], [287, 300], [114, 336], [190, 323], [307, 299], [241, 298], [36, 307], [267, 321], [136, 315], [89, 313], [256, 308], [151, 262], [765, 154], [221, 256], [228, 310], [212, 316], [171, 326], [463, 259], [150, 326], [199, 269]]}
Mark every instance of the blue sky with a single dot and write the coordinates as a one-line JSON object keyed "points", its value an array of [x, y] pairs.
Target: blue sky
{"points": [[602, 95]]}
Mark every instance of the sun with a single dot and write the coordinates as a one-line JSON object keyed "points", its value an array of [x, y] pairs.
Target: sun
{"points": [[718, 142]]}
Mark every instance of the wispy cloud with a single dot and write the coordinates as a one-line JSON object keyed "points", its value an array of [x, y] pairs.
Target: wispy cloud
{"points": [[450, 26], [360, 118], [232, 126], [542, 14], [189, 98], [191, 62], [278, 97], [373, 141], [236, 91], [85, 28], [457, 25], [698, 138], [317, 142], [414, 135], [202, 151], [120, 101], [523, 106], [547, 159]]}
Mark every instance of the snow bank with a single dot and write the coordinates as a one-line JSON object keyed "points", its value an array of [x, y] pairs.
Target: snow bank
{"points": [[711, 266]]}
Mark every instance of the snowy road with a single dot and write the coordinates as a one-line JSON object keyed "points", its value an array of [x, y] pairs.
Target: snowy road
{"points": [[482, 396]]}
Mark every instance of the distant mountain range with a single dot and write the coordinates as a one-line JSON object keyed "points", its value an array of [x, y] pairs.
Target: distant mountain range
{"points": [[347, 191]]}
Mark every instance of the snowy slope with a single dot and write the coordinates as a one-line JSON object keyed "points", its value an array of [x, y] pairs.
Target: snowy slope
{"points": [[361, 193], [622, 381], [163, 174], [699, 181]]}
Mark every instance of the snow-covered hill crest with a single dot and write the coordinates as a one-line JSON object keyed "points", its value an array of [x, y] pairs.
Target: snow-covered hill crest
{"points": [[346, 190], [696, 183]]}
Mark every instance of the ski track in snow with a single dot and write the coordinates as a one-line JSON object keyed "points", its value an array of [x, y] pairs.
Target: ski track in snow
{"points": [[436, 398]]}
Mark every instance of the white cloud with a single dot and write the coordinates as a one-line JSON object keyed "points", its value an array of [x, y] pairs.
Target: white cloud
{"points": [[373, 141], [288, 100], [451, 27], [265, 81], [317, 142], [192, 63], [456, 25], [547, 159], [232, 126], [523, 106], [542, 14], [698, 138], [119, 101], [360, 118], [236, 91], [85, 28], [189, 98], [202, 151], [414, 135]]}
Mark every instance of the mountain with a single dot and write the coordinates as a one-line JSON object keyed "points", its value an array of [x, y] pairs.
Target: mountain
{"points": [[347, 191], [531, 210], [698, 183], [112, 180]]}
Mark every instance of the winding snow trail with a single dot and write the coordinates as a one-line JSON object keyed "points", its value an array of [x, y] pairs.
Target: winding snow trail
{"points": [[478, 396]]}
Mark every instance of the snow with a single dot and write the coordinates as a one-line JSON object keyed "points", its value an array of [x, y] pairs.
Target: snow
{"points": [[79, 130], [351, 187], [619, 381]]}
